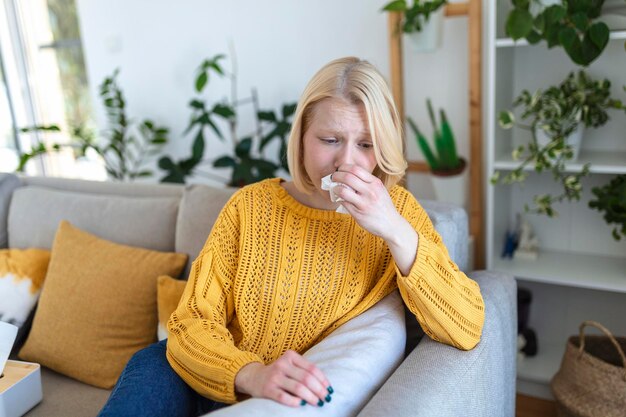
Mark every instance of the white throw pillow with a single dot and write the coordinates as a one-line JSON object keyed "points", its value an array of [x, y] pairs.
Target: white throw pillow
{"points": [[357, 358], [22, 272]]}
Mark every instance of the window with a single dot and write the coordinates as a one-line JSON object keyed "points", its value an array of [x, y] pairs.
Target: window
{"points": [[45, 83]]}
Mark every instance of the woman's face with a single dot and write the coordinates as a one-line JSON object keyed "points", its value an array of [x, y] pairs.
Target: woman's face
{"points": [[337, 135]]}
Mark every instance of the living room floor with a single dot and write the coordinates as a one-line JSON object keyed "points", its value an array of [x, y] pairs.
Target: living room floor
{"points": [[526, 406]]}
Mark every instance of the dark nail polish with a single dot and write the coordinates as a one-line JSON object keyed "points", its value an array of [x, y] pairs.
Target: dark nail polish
{"points": [[330, 389], [320, 403], [328, 398], [302, 403]]}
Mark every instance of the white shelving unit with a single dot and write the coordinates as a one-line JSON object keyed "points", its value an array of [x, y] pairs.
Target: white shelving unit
{"points": [[580, 273]]}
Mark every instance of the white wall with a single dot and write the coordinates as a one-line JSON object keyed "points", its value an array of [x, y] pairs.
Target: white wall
{"points": [[279, 44]]}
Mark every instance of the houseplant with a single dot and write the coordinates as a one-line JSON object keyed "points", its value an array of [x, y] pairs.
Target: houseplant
{"points": [[571, 24], [558, 111], [125, 146], [611, 199], [246, 161], [422, 21], [446, 167]]}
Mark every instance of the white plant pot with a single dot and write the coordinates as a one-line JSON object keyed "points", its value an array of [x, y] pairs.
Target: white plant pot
{"points": [[574, 139], [429, 38], [451, 187]]}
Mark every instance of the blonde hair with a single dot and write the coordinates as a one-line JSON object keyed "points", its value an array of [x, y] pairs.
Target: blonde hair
{"points": [[358, 82]]}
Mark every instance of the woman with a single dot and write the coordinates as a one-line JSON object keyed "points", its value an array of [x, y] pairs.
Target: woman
{"points": [[282, 268]]}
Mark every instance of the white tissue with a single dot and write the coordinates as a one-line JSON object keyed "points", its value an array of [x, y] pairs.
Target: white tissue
{"points": [[8, 332], [329, 185]]}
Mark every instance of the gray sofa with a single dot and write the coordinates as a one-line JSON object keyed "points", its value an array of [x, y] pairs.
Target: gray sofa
{"points": [[433, 380]]}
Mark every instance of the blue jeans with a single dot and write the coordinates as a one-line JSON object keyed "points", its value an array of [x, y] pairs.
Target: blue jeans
{"points": [[149, 386]]}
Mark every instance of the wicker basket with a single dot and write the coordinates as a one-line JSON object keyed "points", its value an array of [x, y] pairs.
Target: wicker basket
{"points": [[592, 379]]}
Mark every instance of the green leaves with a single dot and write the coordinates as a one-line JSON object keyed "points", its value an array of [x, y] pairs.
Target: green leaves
{"points": [[416, 15], [557, 110], [245, 160], [569, 24], [396, 6], [519, 23], [610, 199], [446, 157], [208, 66], [124, 146], [506, 119]]}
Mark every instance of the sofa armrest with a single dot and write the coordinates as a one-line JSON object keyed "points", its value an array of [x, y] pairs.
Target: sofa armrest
{"points": [[451, 223], [8, 183], [439, 380]]}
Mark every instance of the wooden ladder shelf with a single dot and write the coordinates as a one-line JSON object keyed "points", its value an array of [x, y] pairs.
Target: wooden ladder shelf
{"points": [[473, 10]]}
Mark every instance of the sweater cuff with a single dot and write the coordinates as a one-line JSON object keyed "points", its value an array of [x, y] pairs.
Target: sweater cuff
{"points": [[232, 370]]}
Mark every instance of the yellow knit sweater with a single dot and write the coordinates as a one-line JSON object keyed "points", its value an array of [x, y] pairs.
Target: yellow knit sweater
{"points": [[277, 275]]}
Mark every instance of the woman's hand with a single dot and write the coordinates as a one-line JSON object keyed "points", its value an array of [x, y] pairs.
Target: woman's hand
{"points": [[288, 380], [369, 202]]}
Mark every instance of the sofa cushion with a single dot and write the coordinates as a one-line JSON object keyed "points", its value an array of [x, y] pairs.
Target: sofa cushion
{"points": [[35, 213], [22, 272], [63, 396], [97, 306], [357, 358], [169, 291], [8, 183], [198, 211], [450, 221]]}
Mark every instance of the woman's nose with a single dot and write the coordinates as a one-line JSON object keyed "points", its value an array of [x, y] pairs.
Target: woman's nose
{"points": [[344, 156]]}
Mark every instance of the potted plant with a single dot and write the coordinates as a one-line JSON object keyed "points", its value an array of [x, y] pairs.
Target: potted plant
{"points": [[125, 147], [611, 199], [447, 168], [246, 161], [553, 115], [571, 24], [422, 21]]}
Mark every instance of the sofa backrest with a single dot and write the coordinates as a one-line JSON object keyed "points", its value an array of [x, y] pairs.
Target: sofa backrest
{"points": [[155, 216], [197, 213]]}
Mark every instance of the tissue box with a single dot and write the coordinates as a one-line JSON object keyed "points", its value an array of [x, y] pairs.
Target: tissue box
{"points": [[20, 388]]}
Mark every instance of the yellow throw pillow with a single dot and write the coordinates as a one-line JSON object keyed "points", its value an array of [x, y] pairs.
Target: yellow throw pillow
{"points": [[169, 291], [22, 272], [97, 307]]}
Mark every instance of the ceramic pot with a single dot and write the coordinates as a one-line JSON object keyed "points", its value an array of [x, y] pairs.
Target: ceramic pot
{"points": [[451, 185], [429, 38], [574, 139]]}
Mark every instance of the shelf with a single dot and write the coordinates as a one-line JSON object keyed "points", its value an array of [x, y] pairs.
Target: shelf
{"points": [[508, 42], [601, 162], [542, 367], [535, 373], [568, 269]]}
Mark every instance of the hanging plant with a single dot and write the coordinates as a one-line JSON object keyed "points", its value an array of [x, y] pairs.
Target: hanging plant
{"points": [[558, 111], [415, 16]]}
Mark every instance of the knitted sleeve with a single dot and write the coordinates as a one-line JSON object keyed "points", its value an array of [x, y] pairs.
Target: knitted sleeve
{"points": [[200, 348], [447, 304]]}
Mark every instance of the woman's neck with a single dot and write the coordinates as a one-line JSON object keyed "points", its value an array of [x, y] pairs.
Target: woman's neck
{"points": [[314, 200]]}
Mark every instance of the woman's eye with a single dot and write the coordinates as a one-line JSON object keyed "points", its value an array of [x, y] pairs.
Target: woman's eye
{"points": [[366, 145], [329, 140]]}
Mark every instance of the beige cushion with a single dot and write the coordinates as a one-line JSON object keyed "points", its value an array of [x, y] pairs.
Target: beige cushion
{"points": [[198, 211], [169, 291], [63, 396], [35, 213], [97, 306]]}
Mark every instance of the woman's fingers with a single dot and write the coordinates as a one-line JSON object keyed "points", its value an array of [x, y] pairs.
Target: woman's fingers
{"points": [[306, 380], [289, 380]]}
